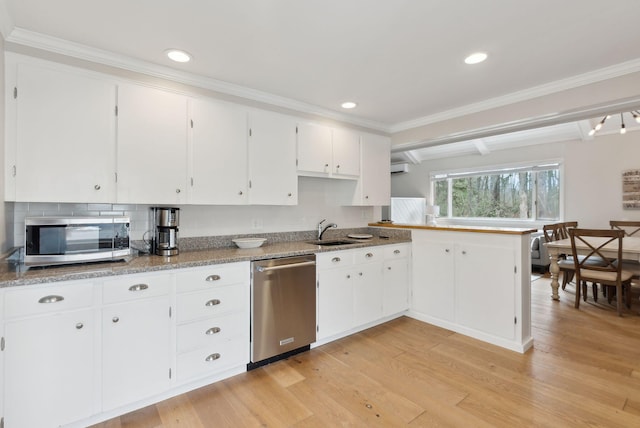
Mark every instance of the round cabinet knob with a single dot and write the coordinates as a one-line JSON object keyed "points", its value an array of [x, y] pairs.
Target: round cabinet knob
{"points": [[348, 276], [79, 326], [464, 252], [240, 193], [326, 165], [337, 166], [360, 273], [446, 251], [97, 187], [115, 319], [388, 267], [289, 194], [177, 190]]}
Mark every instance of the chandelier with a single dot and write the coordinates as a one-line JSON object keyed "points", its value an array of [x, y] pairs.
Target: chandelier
{"points": [[623, 128]]}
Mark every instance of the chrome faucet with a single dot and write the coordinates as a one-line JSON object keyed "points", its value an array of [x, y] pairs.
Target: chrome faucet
{"points": [[321, 231]]}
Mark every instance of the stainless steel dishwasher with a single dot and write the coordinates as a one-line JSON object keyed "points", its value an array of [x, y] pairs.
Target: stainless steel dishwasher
{"points": [[283, 305]]}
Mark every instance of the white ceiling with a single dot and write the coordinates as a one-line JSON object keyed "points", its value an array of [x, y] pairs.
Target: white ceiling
{"points": [[401, 60]]}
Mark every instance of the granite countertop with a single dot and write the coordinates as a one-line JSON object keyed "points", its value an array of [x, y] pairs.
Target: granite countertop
{"points": [[13, 274]]}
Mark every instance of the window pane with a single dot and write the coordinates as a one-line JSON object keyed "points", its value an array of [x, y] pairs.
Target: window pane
{"points": [[441, 196], [548, 195], [506, 195]]}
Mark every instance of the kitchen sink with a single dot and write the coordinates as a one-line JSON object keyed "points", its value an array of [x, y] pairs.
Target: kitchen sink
{"points": [[331, 242]]}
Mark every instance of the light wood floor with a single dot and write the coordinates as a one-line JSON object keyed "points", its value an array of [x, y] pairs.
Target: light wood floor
{"points": [[584, 370]]}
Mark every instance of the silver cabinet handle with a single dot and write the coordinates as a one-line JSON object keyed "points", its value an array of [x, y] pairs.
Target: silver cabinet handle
{"points": [[115, 319], [212, 278], [335, 259], [97, 187], [79, 326], [396, 252], [212, 330], [212, 357], [177, 190], [138, 287], [369, 255], [212, 302], [51, 299]]}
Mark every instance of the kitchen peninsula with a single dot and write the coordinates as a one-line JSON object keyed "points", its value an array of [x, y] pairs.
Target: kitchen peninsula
{"points": [[473, 280]]}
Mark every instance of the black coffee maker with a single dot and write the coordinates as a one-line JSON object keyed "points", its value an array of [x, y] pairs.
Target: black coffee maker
{"points": [[165, 229]]}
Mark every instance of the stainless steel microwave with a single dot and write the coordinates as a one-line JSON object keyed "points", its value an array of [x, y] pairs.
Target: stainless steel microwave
{"points": [[61, 240]]}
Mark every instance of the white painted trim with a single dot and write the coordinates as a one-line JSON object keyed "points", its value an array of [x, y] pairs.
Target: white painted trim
{"points": [[595, 76], [76, 50]]}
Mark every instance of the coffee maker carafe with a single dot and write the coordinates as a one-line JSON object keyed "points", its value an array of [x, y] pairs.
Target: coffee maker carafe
{"points": [[166, 222]]}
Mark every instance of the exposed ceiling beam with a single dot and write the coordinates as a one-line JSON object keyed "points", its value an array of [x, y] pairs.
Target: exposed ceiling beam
{"points": [[525, 124], [481, 147]]}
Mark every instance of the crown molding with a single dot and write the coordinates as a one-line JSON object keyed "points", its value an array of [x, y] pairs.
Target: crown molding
{"points": [[595, 76], [6, 23], [32, 39]]}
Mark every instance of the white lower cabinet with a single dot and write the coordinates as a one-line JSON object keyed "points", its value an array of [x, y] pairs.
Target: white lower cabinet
{"points": [[471, 283], [49, 355], [212, 313], [136, 355], [355, 291]]}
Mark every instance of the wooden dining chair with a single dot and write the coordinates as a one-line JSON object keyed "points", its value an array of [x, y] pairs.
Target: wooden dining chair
{"points": [[609, 274], [557, 232], [630, 228]]}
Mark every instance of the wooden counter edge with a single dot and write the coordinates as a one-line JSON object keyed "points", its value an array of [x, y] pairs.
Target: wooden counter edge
{"points": [[472, 229]]}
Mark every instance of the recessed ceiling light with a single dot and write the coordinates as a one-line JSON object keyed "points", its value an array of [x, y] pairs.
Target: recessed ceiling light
{"points": [[475, 58], [349, 104], [178, 55]]}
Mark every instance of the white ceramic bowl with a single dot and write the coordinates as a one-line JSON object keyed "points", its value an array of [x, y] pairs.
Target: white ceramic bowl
{"points": [[249, 242]]}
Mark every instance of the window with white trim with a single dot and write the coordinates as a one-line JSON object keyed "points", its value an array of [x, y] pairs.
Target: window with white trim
{"points": [[530, 192]]}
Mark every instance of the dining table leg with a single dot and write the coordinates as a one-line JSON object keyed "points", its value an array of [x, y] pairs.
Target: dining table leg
{"points": [[554, 269]]}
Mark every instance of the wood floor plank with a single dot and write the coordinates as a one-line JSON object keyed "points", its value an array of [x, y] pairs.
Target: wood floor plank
{"points": [[583, 370]]}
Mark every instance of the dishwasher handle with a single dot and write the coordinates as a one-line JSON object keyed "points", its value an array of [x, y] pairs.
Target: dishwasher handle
{"points": [[288, 266]]}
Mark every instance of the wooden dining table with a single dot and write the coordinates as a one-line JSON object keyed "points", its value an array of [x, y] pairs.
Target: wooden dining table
{"points": [[630, 252]]}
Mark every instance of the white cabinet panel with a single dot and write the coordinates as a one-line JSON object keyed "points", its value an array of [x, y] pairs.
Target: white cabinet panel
{"points": [[346, 152], [219, 173], [49, 369], [367, 293], [64, 136], [272, 159], [395, 296], [314, 149], [433, 278], [152, 146], [335, 301], [136, 352]]}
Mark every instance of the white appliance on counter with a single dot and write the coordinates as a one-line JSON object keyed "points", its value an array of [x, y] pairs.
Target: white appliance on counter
{"points": [[406, 211]]}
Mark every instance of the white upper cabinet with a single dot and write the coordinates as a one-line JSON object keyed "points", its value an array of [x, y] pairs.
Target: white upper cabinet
{"points": [[218, 156], [152, 146], [272, 159], [314, 150], [60, 135], [328, 152], [346, 153], [374, 186]]}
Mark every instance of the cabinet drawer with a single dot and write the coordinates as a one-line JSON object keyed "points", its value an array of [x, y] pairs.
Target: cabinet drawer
{"points": [[209, 303], [212, 276], [367, 255], [51, 298], [209, 360], [212, 332], [334, 259], [134, 287], [397, 251]]}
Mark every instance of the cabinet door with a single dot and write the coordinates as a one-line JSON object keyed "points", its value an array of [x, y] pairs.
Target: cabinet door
{"points": [[367, 293], [395, 294], [65, 136], [346, 153], [335, 301], [218, 154], [136, 354], [433, 278], [314, 149], [152, 146], [49, 370], [375, 181], [272, 159], [482, 275]]}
